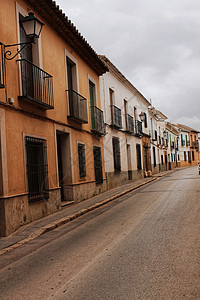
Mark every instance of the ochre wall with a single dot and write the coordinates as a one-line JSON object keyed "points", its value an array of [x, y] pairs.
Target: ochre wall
{"points": [[17, 123]]}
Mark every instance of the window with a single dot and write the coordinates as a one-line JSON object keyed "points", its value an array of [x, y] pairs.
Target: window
{"points": [[97, 164], [189, 157], [81, 160], [154, 156], [185, 156], [193, 155], [155, 135], [116, 154], [92, 103], [71, 75], [111, 96], [26, 69], [138, 151], [37, 168], [77, 109], [162, 160], [126, 114], [145, 121], [36, 84]]}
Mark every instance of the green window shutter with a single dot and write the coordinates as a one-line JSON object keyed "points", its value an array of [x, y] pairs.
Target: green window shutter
{"points": [[97, 164], [81, 160]]}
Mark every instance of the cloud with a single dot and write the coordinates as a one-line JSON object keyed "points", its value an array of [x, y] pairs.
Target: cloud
{"points": [[155, 44]]}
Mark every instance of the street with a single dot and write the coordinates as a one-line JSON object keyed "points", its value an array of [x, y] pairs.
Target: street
{"points": [[144, 245]]}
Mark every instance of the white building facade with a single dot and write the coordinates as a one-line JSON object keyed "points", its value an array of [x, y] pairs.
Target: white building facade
{"points": [[126, 150]]}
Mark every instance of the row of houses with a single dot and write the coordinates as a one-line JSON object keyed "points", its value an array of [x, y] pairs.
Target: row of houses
{"points": [[71, 125]]}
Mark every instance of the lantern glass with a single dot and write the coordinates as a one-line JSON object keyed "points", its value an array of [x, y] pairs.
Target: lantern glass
{"points": [[142, 117], [32, 26]]}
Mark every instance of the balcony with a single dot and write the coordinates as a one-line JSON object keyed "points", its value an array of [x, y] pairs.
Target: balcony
{"points": [[116, 117], [172, 145], [37, 85], [194, 144], [130, 124], [183, 143], [97, 120], [138, 128], [188, 143], [77, 107]]}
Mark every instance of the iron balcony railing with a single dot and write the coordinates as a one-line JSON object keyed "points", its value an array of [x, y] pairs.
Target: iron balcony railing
{"points": [[37, 85], [172, 145], [194, 144], [2, 70], [130, 124], [97, 120], [138, 127], [183, 143], [116, 117], [77, 107]]}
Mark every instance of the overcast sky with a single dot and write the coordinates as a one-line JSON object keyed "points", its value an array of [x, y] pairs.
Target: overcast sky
{"points": [[154, 43]]}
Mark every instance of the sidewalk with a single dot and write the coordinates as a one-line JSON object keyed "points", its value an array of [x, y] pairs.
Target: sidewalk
{"points": [[66, 214]]}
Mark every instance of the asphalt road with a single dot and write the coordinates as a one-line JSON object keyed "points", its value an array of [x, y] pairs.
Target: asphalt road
{"points": [[144, 245]]}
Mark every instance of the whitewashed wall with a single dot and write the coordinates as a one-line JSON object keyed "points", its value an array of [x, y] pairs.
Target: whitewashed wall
{"points": [[121, 93]]}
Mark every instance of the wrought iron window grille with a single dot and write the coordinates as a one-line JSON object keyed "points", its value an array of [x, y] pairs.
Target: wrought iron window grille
{"points": [[37, 168], [81, 160]]}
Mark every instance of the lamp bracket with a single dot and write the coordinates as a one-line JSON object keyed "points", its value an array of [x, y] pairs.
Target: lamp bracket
{"points": [[8, 53]]}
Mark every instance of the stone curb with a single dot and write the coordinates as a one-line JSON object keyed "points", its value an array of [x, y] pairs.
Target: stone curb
{"points": [[67, 219]]}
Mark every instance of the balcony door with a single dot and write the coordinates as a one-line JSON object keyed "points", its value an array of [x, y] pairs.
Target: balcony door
{"points": [[26, 68], [64, 164], [129, 162], [145, 159], [74, 104], [92, 103]]}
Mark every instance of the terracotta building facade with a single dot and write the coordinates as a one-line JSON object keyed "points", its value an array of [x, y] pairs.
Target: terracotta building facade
{"points": [[51, 137]]}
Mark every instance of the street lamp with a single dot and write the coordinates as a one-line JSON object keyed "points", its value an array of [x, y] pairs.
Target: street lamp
{"points": [[142, 116], [32, 27]]}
